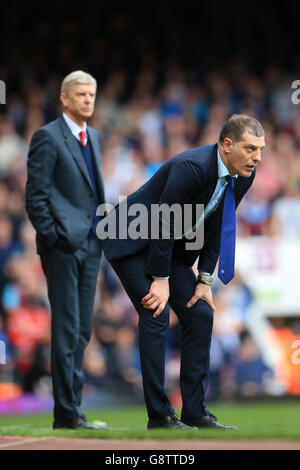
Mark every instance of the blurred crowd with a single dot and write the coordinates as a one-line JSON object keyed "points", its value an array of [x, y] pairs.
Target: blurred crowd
{"points": [[162, 107]]}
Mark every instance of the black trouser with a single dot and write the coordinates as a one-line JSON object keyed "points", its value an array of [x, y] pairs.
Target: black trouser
{"points": [[196, 326], [71, 280]]}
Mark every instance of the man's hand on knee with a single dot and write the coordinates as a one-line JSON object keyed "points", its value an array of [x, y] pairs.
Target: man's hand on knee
{"points": [[157, 296], [203, 292]]}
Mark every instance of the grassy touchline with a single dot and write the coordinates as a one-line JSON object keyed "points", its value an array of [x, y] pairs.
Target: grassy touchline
{"points": [[255, 421]]}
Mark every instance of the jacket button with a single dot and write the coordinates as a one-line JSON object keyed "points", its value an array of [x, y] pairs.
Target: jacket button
{"points": [[89, 217]]}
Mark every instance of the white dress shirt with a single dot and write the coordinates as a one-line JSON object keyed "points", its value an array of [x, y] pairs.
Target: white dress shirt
{"points": [[74, 128]]}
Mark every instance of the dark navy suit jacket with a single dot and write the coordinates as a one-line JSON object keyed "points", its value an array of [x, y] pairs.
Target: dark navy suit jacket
{"points": [[188, 178], [59, 192]]}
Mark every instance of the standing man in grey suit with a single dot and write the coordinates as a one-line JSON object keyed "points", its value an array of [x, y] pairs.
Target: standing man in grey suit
{"points": [[63, 190]]}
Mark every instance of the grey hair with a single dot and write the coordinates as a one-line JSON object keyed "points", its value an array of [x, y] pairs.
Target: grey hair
{"points": [[237, 124], [77, 77]]}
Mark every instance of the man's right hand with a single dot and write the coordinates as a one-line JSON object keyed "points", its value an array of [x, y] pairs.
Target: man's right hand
{"points": [[157, 296]]}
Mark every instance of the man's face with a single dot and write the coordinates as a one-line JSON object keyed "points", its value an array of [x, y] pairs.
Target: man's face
{"points": [[242, 157], [79, 101]]}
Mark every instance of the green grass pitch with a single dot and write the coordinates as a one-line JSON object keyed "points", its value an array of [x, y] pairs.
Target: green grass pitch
{"points": [[267, 420]]}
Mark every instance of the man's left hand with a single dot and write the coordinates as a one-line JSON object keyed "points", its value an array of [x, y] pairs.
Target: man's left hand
{"points": [[202, 291]]}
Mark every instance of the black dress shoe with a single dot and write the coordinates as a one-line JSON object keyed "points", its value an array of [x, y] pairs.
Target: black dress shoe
{"points": [[76, 423], [209, 421], [98, 425], [170, 421]]}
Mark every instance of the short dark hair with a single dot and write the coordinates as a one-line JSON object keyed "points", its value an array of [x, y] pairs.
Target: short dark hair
{"points": [[237, 124]]}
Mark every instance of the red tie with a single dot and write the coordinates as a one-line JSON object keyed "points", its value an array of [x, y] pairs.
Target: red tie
{"points": [[82, 136]]}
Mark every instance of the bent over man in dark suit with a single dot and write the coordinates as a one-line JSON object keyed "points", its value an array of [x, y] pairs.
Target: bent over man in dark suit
{"points": [[157, 271], [63, 191]]}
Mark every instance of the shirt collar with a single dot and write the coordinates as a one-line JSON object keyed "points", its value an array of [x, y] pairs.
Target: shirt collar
{"points": [[222, 168], [74, 128]]}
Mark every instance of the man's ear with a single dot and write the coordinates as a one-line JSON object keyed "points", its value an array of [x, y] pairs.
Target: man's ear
{"points": [[227, 145], [63, 98]]}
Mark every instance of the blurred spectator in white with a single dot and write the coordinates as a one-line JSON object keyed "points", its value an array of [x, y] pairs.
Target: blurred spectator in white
{"points": [[286, 212], [150, 121], [280, 98], [254, 214], [12, 146]]}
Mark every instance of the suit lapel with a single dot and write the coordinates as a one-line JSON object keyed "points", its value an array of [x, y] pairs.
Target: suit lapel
{"points": [[212, 173], [75, 150], [96, 156]]}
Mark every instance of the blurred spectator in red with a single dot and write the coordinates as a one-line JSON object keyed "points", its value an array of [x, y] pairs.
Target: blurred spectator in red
{"points": [[28, 321], [281, 338]]}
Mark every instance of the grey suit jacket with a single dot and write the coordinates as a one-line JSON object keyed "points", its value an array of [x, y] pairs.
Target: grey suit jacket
{"points": [[59, 193]]}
